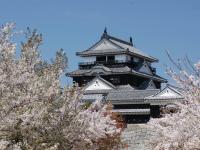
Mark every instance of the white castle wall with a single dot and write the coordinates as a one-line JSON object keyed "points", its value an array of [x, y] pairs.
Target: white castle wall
{"points": [[89, 59]]}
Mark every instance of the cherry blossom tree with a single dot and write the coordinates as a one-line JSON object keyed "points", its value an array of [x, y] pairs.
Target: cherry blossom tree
{"points": [[35, 112], [181, 130]]}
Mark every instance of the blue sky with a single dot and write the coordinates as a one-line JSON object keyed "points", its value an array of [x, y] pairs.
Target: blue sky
{"points": [[155, 25]]}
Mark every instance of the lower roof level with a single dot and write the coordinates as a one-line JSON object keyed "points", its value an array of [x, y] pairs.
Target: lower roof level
{"points": [[103, 70], [100, 89]]}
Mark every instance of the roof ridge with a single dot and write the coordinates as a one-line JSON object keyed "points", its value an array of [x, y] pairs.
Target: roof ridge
{"points": [[119, 40], [136, 90], [102, 79], [115, 43], [101, 66]]}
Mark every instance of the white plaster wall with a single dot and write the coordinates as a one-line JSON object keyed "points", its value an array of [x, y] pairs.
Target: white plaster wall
{"points": [[120, 57], [89, 59]]}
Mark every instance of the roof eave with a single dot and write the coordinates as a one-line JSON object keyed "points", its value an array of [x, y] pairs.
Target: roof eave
{"points": [[135, 73], [152, 59], [83, 54]]}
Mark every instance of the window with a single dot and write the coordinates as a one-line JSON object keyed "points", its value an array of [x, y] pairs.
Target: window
{"points": [[100, 58], [111, 58]]}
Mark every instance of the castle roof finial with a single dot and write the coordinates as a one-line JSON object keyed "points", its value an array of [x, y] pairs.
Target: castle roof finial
{"points": [[105, 31], [105, 35], [131, 40]]}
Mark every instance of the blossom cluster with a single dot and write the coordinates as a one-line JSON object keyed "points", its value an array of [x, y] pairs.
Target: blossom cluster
{"points": [[35, 111], [181, 130]]}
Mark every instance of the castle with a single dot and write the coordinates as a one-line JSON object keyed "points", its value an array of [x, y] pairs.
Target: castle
{"points": [[115, 70]]}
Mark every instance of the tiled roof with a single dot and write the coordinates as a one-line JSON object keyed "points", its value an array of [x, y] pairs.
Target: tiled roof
{"points": [[121, 69], [101, 52], [125, 87], [97, 91], [100, 66], [92, 97], [130, 95], [132, 49], [165, 97], [126, 94], [122, 47], [101, 69]]}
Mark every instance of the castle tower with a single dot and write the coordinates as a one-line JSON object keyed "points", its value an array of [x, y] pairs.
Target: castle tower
{"points": [[115, 70], [118, 62]]}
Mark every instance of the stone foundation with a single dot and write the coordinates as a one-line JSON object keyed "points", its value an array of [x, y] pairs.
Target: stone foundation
{"points": [[136, 136]]}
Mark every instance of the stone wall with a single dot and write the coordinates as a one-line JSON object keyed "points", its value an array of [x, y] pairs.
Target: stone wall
{"points": [[137, 137]]}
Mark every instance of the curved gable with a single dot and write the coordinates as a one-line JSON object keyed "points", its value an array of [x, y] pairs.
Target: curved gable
{"points": [[99, 84], [167, 93], [103, 45]]}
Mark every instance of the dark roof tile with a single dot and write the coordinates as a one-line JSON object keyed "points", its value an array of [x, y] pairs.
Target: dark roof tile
{"points": [[120, 95], [121, 47]]}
